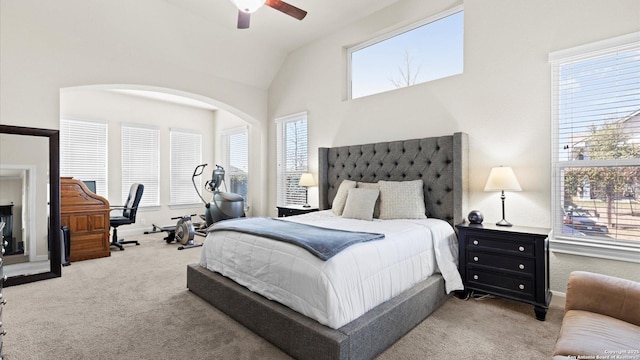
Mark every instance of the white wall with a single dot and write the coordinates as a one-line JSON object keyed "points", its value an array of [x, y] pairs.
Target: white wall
{"points": [[502, 100]]}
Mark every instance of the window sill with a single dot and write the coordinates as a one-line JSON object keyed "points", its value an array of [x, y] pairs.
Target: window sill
{"points": [[185, 206], [597, 250]]}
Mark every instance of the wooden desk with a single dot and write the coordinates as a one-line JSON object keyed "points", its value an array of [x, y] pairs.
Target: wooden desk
{"points": [[87, 216]]}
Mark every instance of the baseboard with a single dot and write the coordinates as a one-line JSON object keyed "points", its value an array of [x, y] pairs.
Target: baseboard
{"points": [[558, 299], [123, 233]]}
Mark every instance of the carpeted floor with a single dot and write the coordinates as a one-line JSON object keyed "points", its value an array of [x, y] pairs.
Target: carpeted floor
{"points": [[135, 305]]}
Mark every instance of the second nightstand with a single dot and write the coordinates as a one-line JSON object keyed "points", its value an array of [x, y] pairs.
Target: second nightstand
{"points": [[511, 262], [291, 210]]}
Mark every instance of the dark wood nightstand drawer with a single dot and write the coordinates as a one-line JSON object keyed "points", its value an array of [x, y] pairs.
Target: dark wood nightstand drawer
{"points": [[508, 285], [518, 265], [498, 244]]}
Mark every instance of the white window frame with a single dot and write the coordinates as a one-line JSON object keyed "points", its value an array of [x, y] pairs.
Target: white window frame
{"points": [[141, 148], [281, 191], [392, 34], [185, 154], [84, 151], [618, 250], [226, 161]]}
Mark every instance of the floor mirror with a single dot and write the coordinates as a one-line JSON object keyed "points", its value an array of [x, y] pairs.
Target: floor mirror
{"points": [[30, 203]]}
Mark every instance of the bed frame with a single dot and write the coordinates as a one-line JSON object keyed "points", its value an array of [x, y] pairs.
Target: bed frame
{"points": [[442, 163]]}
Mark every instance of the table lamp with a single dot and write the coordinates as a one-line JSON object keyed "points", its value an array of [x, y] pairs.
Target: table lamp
{"points": [[306, 180], [502, 179]]}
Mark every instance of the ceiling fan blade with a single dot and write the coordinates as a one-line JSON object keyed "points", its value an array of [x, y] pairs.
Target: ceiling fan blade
{"points": [[287, 8], [243, 20]]}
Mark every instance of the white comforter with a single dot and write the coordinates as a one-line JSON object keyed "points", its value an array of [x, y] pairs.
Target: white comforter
{"points": [[339, 290]]}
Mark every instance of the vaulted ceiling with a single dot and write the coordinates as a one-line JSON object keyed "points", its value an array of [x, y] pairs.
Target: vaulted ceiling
{"points": [[272, 34], [169, 36]]}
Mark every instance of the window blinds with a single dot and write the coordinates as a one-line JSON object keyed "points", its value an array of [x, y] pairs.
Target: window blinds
{"points": [[236, 160], [186, 154], [141, 162], [83, 152], [596, 121], [292, 154]]}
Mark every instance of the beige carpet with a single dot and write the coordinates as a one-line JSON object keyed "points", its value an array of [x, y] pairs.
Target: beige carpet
{"points": [[135, 305]]}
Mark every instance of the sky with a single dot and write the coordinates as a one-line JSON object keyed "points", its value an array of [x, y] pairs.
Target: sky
{"points": [[436, 49]]}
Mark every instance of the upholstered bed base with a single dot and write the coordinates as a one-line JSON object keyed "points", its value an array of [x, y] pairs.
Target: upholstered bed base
{"points": [[304, 338], [442, 163]]}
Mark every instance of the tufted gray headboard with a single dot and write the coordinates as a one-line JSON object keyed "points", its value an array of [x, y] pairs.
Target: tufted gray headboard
{"points": [[441, 162]]}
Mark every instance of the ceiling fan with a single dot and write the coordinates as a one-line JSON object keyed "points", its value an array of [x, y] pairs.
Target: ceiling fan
{"points": [[246, 7]]}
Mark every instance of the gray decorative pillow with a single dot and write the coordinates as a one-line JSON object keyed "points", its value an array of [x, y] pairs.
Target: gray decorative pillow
{"points": [[360, 204], [364, 185], [341, 196], [402, 200]]}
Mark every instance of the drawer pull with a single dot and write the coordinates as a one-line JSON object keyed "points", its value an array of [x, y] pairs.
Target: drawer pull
{"points": [[521, 248], [521, 266], [475, 258], [475, 277], [3, 332], [3, 302], [475, 242], [521, 286]]}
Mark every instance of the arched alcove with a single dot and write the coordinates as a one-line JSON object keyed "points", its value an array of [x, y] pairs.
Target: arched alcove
{"points": [[226, 115]]}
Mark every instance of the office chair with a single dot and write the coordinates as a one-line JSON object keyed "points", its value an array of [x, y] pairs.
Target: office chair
{"points": [[128, 216]]}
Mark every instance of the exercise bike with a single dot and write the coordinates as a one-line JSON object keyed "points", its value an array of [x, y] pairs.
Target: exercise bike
{"points": [[223, 206]]}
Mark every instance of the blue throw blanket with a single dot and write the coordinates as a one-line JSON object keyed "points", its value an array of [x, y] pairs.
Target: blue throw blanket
{"points": [[321, 242]]}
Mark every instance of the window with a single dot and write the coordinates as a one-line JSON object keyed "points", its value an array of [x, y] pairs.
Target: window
{"points": [[186, 154], [141, 162], [429, 50], [83, 152], [235, 144], [292, 158], [596, 154]]}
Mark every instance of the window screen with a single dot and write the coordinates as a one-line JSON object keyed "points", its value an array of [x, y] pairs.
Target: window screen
{"points": [[236, 161], [83, 152], [186, 154], [292, 153], [141, 162], [596, 154]]}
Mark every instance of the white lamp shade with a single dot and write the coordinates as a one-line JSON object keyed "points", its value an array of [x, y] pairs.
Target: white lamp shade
{"points": [[502, 178], [307, 180], [248, 6]]}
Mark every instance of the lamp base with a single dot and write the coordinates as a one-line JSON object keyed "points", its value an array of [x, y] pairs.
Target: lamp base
{"points": [[503, 222]]}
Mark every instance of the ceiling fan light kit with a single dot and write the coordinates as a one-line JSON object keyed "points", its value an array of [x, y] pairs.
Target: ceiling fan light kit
{"points": [[246, 7]]}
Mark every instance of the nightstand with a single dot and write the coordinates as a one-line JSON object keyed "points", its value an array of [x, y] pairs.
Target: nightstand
{"points": [[510, 262], [291, 210]]}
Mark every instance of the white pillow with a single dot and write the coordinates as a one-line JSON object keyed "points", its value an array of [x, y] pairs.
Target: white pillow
{"points": [[364, 185], [360, 204], [402, 200], [341, 196]]}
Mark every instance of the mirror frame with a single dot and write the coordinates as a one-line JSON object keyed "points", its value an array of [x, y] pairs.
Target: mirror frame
{"points": [[54, 203]]}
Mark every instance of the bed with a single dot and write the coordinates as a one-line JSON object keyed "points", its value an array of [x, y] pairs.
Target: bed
{"points": [[440, 163]]}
